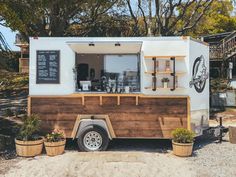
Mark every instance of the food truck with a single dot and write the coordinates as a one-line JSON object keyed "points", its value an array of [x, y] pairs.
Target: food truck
{"points": [[99, 89]]}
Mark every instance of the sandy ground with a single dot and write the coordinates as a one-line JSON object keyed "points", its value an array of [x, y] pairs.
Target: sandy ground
{"points": [[229, 118], [127, 158], [132, 158], [103, 164]]}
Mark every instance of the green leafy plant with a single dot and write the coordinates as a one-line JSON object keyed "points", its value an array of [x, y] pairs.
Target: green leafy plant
{"points": [[29, 128], [10, 81], [182, 135], [165, 79], [55, 136]]}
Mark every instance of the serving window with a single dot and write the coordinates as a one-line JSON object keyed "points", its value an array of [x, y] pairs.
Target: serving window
{"points": [[107, 73]]}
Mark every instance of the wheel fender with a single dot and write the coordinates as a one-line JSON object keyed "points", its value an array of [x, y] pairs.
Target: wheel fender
{"points": [[89, 122]]}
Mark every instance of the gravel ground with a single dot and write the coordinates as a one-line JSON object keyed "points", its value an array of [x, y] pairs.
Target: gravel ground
{"points": [[215, 160], [131, 158]]}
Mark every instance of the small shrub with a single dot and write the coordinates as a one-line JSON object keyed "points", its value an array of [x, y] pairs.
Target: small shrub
{"points": [[55, 136], [182, 135], [29, 128]]}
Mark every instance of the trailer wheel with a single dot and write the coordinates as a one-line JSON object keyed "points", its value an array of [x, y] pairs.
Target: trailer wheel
{"points": [[93, 138]]}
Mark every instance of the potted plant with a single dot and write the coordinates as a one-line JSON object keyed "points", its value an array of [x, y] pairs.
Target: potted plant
{"points": [[55, 143], [165, 82], [28, 143], [182, 142]]}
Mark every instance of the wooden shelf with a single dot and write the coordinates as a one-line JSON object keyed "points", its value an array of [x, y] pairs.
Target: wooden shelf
{"points": [[165, 72], [161, 88], [165, 57]]}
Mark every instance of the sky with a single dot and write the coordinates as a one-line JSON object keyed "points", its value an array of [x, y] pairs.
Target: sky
{"points": [[10, 37]]}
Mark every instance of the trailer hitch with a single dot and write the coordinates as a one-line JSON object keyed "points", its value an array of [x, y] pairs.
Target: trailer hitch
{"points": [[219, 131]]}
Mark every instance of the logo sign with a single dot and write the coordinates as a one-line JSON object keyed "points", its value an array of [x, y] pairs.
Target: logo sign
{"points": [[199, 74]]}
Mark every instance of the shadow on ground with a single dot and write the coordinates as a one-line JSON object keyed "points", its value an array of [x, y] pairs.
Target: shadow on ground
{"points": [[145, 145]]}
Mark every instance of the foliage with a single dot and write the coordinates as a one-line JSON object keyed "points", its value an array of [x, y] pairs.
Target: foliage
{"points": [[10, 81], [117, 17], [55, 136], [101, 18], [217, 20], [169, 17], [218, 85], [29, 128], [182, 135], [54, 18], [165, 79], [9, 61]]}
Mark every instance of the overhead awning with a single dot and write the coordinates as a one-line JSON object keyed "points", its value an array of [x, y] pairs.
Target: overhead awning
{"points": [[106, 47]]}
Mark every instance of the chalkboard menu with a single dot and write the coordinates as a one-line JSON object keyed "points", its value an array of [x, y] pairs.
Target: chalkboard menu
{"points": [[48, 67]]}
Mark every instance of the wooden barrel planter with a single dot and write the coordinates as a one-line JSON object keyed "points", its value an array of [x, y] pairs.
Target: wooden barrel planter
{"points": [[182, 149], [29, 148], [55, 148], [232, 135]]}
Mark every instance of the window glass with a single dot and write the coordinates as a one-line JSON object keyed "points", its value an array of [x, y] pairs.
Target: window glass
{"points": [[108, 73]]}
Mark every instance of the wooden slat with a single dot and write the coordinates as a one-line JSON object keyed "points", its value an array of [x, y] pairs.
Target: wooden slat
{"points": [[165, 72], [138, 114], [161, 88], [82, 100], [118, 100], [80, 95], [177, 57], [143, 134], [100, 100], [150, 125], [144, 117], [136, 101]]}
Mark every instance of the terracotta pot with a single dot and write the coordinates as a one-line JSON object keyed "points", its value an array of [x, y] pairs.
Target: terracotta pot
{"points": [[29, 148], [55, 148], [182, 149]]}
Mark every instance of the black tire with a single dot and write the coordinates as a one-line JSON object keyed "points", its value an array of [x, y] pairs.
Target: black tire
{"points": [[92, 129]]}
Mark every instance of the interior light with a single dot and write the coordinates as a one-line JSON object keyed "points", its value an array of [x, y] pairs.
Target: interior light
{"points": [[117, 44]]}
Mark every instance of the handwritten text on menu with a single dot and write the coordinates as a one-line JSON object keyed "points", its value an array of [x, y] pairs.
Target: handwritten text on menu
{"points": [[48, 67]]}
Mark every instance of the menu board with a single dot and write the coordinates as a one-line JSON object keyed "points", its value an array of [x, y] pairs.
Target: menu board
{"points": [[48, 67]]}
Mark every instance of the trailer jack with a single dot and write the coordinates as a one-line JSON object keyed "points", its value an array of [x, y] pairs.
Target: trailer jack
{"points": [[217, 132]]}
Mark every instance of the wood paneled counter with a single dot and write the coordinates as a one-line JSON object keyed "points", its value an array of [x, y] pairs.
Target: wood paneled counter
{"points": [[132, 115]]}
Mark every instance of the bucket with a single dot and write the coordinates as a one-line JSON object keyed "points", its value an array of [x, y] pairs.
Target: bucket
{"points": [[55, 148], [182, 149], [29, 148]]}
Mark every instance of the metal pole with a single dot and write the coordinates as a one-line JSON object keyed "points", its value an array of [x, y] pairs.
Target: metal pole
{"points": [[221, 133]]}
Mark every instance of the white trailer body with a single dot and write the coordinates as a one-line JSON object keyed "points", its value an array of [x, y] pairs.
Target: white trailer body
{"points": [[187, 57]]}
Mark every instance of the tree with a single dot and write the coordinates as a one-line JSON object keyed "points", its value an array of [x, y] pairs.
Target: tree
{"points": [[56, 18], [100, 18], [113, 17], [170, 16], [38, 18], [217, 20]]}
